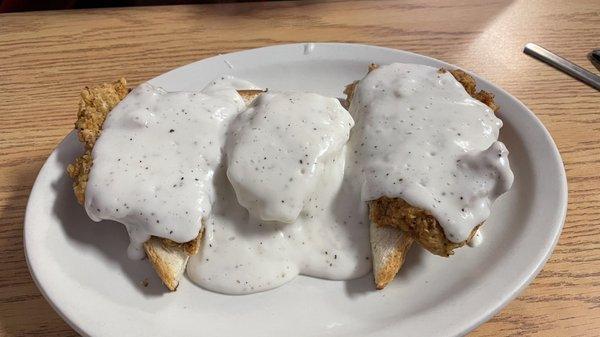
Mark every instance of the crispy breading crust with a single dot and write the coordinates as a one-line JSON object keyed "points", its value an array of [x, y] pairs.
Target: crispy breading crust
{"points": [[79, 171], [468, 82], [416, 222], [94, 105]]}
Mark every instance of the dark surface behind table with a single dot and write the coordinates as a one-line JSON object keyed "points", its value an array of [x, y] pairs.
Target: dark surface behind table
{"points": [[7, 6]]}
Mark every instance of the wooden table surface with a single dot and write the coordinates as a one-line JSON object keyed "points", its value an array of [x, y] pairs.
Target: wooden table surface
{"points": [[47, 57]]}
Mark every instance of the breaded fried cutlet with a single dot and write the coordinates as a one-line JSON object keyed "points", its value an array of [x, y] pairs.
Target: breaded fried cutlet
{"points": [[167, 257], [416, 222], [94, 105]]}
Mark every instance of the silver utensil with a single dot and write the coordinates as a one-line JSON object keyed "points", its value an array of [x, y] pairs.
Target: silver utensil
{"points": [[594, 57], [563, 65]]}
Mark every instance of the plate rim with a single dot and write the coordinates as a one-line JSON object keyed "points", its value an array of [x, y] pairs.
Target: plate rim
{"points": [[30, 267], [562, 196]]}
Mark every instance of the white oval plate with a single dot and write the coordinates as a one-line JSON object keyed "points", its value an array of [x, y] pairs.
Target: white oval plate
{"points": [[81, 266]]}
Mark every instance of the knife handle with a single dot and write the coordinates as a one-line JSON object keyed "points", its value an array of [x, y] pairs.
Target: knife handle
{"points": [[563, 65]]}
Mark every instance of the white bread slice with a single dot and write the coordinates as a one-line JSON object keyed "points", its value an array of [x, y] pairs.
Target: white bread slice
{"points": [[389, 246], [168, 261]]}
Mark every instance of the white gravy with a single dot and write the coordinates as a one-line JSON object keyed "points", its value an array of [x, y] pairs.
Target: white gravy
{"points": [[278, 149], [421, 137], [286, 163], [296, 202], [154, 162], [329, 239]]}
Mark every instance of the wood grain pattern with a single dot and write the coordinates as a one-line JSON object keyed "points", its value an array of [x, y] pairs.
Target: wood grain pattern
{"points": [[46, 57]]}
